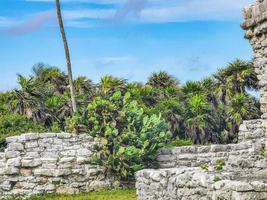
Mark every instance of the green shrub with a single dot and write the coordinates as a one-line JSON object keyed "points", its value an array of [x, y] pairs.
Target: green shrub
{"points": [[219, 165], [12, 124], [180, 143], [204, 166], [217, 178], [76, 124], [263, 152], [129, 138]]}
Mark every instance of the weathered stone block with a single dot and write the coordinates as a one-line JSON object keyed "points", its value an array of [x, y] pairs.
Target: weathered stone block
{"points": [[31, 163], [11, 154], [14, 162], [31, 144], [15, 146]]}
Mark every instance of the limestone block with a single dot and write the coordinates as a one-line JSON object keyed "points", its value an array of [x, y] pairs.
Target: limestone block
{"points": [[64, 135], [67, 159], [18, 139], [6, 186], [84, 152], [68, 153], [30, 136], [45, 188], [45, 172], [11, 154], [31, 144], [11, 171], [48, 135], [32, 155], [52, 154], [31, 163], [47, 160], [66, 190], [26, 172], [14, 162], [49, 166], [15, 146], [83, 160]]}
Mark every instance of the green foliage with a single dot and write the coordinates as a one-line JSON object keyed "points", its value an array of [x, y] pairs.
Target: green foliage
{"points": [[13, 124], [263, 152], [217, 178], [180, 143], [76, 124], [204, 166], [206, 111], [129, 137], [116, 194], [56, 127], [219, 165], [162, 80]]}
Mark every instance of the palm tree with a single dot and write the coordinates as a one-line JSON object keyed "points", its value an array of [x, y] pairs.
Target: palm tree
{"points": [[208, 86], [241, 75], [172, 111], [109, 84], [67, 53], [25, 96], [192, 88], [51, 79], [84, 86], [237, 110], [198, 117], [220, 86], [162, 80], [235, 79]]}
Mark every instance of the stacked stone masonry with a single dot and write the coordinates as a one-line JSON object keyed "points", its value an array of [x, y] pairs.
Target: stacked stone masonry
{"points": [[34, 164], [230, 172], [255, 26]]}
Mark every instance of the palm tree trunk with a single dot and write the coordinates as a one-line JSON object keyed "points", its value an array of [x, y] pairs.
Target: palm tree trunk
{"points": [[67, 53]]}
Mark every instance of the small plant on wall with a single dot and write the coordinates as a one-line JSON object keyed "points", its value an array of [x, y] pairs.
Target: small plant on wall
{"points": [[219, 165]]}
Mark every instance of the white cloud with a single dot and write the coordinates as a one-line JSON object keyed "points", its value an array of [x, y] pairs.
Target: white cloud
{"points": [[84, 1], [155, 11], [88, 14], [110, 61], [161, 11], [194, 10]]}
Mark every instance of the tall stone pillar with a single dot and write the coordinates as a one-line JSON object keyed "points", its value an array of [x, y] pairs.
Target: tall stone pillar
{"points": [[255, 25]]}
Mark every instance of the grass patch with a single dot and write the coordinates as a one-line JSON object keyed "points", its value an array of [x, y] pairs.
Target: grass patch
{"points": [[180, 143], [129, 194]]}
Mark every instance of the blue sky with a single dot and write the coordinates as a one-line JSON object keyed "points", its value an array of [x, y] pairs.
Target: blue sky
{"points": [[126, 38]]}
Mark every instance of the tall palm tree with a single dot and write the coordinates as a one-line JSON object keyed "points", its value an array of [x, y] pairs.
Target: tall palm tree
{"points": [[235, 79], [237, 110], [162, 80], [198, 117], [109, 84], [67, 53], [220, 86]]}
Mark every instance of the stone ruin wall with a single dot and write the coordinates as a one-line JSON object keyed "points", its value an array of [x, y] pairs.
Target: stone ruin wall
{"points": [[252, 138], [214, 172], [255, 26], [36, 164]]}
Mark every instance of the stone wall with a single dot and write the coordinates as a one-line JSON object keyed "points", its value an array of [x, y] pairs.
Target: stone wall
{"points": [[230, 172], [255, 26], [35, 164], [251, 141]]}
